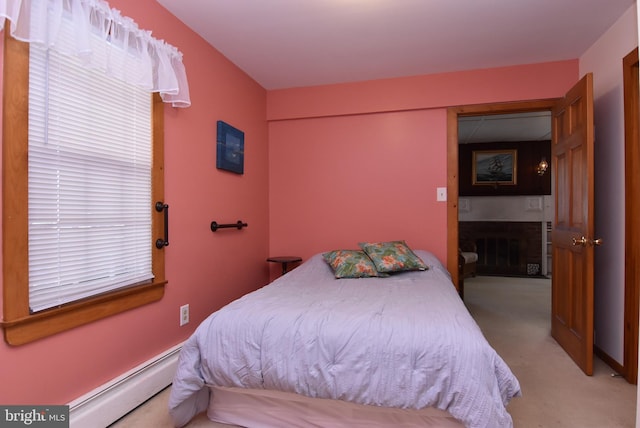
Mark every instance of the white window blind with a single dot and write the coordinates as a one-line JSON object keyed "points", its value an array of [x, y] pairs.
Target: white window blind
{"points": [[90, 156]]}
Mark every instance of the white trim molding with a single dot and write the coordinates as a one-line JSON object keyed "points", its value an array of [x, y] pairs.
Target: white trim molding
{"points": [[111, 401]]}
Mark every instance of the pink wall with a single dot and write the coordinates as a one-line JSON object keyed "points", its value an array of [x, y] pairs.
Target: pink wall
{"points": [[524, 82], [362, 161], [339, 180], [204, 269]]}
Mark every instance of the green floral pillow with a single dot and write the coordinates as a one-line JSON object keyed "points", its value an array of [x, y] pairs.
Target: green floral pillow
{"points": [[392, 256], [350, 264]]}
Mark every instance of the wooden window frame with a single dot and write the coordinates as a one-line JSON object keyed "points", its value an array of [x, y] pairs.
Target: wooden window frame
{"points": [[19, 325]]}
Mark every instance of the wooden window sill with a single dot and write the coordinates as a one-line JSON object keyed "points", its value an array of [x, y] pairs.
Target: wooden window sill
{"points": [[46, 323]]}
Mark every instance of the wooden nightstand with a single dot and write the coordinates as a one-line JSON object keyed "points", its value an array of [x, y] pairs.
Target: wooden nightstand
{"points": [[284, 260]]}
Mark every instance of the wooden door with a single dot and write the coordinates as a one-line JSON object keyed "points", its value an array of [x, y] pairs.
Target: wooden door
{"points": [[572, 238], [631, 73]]}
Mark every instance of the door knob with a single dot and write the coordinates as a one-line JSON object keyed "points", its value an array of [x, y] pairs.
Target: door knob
{"points": [[582, 242]]}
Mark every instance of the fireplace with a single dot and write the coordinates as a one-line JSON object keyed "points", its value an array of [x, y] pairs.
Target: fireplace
{"points": [[505, 248]]}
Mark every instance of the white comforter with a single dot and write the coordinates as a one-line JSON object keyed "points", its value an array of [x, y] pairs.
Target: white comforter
{"points": [[406, 341]]}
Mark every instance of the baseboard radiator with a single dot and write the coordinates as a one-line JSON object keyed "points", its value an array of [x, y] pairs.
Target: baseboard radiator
{"points": [[111, 401]]}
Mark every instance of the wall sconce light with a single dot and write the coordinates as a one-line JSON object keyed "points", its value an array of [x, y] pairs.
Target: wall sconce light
{"points": [[542, 166]]}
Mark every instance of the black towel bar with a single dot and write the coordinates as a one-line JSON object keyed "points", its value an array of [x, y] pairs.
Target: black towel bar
{"points": [[238, 225]]}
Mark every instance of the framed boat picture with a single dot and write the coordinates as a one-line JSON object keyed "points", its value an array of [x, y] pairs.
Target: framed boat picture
{"points": [[491, 167]]}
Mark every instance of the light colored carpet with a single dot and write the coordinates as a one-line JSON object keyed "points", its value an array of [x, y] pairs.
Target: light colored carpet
{"points": [[514, 315]]}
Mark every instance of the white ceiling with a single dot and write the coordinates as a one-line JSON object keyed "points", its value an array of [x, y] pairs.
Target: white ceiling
{"points": [[532, 126], [291, 43]]}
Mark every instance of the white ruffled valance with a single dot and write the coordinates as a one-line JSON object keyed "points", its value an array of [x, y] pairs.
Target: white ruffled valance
{"points": [[150, 63]]}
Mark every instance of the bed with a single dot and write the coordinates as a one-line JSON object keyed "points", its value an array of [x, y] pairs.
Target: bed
{"points": [[309, 349]]}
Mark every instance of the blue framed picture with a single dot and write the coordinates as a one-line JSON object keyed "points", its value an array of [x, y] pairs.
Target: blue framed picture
{"points": [[230, 148]]}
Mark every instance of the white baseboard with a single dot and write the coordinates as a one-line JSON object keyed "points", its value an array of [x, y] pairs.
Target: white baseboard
{"points": [[111, 401]]}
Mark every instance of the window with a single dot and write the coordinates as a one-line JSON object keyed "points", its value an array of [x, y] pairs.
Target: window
{"points": [[34, 306]]}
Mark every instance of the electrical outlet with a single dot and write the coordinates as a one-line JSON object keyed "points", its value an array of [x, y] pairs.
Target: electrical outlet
{"points": [[184, 315]]}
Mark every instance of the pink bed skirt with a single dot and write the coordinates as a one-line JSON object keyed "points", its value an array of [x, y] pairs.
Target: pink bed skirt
{"points": [[261, 408]]}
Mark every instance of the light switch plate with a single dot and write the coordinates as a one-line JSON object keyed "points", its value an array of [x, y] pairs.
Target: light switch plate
{"points": [[441, 194]]}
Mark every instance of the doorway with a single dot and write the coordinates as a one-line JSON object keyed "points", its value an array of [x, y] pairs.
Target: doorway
{"points": [[632, 145], [505, 203], [453, 115]]}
